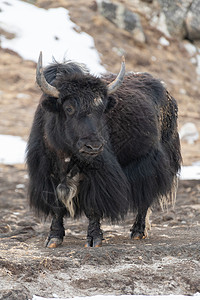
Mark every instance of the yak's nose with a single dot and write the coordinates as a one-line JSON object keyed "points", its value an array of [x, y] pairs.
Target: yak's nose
{"points": [[91, 148]]}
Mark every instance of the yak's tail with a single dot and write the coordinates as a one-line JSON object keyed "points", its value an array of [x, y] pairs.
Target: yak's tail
{"points": [[171, 144], [170, 199]]}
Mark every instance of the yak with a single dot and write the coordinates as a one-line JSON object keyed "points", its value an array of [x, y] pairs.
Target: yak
{"points": [[100, 146]]}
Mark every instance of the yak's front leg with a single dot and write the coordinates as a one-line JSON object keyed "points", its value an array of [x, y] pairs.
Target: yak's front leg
{"points": [[94, 233], [141, 225], [57, 232]]}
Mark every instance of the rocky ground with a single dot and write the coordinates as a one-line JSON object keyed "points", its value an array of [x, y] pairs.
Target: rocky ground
{"points": [[168, 262]]}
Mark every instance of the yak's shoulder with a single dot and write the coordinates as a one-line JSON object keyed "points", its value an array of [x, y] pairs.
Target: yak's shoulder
{"points": [[135, 76], [141, 86], [139, 80]]}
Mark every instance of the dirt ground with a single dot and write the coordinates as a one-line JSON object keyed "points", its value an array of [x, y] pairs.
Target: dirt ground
{"points": [[168, 261]]}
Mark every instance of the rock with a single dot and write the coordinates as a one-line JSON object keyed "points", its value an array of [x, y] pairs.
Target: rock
{"points": [[191, 49], [163, 41], [175, 13], [13, 295], [192, 21], [148, 1], [159, 21], [181, 18], [189, 133], [198, 66], [4, 228], [123, 18]]}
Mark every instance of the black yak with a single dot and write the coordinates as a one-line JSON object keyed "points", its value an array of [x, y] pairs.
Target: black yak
{"points": [[100, 146]]}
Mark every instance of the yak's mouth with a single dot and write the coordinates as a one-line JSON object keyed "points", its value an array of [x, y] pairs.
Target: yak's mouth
{"points": [[91, 151]]}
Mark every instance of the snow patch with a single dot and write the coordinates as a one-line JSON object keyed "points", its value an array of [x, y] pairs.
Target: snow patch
{"points": [[190, 173], [126, 297], [12, 150], [50, 31]]}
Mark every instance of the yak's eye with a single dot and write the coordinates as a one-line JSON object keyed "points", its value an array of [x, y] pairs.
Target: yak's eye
{"points": [[69, 109]]}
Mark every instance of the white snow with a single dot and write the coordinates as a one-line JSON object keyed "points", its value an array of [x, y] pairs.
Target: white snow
{"points": [[12, 150], [190, 173], [126, 297], [50, 31]]}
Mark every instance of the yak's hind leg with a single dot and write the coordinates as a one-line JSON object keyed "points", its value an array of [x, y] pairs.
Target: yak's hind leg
{"points": [[57, 232], [151, 178]]}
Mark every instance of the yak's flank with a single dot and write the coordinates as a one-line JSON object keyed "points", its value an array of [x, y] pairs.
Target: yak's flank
{"points": [[153, 177]]}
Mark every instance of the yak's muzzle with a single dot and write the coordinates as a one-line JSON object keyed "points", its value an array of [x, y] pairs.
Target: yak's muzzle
{"points": [[93, 148]]}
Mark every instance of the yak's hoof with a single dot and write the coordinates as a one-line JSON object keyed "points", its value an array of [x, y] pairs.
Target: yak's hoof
{"points": [[93, 242], [136, 235], [53, 242]]}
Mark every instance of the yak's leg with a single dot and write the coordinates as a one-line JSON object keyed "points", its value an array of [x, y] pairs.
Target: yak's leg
{"points": [[57, 232], [141, 225], [94, 233]]}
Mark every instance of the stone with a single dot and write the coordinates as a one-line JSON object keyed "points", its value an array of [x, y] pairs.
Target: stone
{"points": [[192, 21], [108, 10], [159, 21], [175, 13], [191, 49], [189, 133], [122, 17], [163, 41]]}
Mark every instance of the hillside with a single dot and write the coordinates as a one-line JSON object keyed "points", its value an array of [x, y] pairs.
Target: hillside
{"points": [[171, 63], [168, 261]]}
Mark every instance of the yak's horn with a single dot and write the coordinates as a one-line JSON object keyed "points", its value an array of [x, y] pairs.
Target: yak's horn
{"points": [[114, 85], [41, 81]]}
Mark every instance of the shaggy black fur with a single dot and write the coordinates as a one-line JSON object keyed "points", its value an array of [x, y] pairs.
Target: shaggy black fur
{"points": [[137, 128]]}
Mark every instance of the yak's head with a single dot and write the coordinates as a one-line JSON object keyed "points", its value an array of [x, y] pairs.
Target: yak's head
{"points": [[78, 102]]}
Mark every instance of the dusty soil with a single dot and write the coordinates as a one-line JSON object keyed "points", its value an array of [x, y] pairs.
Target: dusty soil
{"points": [[168, 262]]}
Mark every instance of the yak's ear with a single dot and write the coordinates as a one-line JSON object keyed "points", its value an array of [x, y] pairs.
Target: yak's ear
{"points": [[51, 104], [112, 102]]}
